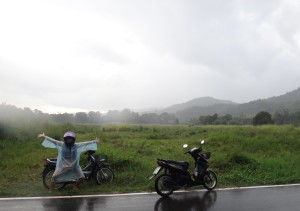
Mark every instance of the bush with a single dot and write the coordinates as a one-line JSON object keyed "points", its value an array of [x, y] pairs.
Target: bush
{"points": [[263, 118]]}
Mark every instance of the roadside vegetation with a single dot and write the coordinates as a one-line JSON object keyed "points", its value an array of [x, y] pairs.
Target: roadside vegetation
{"points": [[241, 155]]}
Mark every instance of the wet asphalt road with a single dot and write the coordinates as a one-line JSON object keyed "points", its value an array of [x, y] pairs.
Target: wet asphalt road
{"points": [[280, 198]]}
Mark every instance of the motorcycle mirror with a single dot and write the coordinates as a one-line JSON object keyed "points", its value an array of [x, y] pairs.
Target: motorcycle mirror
{"points": [[185, 146], [202, 142]]}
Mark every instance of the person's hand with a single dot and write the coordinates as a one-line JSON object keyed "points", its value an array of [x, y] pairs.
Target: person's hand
{"points": [[41, 135], [97, 140]]}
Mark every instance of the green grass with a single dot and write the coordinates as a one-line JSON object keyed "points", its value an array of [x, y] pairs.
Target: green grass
{"points": [[241, 155]]}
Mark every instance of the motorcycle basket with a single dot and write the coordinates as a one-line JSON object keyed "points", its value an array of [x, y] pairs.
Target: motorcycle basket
{"points": [[206, 155], [100, 158]]}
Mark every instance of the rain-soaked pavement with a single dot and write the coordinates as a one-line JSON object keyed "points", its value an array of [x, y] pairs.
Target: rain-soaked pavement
{"points": [[257, 198]]}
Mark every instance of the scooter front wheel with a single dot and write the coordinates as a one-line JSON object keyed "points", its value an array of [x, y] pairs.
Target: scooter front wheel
{"points": [[47, 180], [104, 175], [210, 180], [163, 185]]}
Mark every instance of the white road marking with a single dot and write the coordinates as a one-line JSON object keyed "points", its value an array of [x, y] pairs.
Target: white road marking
{"points": [[142, 193]]}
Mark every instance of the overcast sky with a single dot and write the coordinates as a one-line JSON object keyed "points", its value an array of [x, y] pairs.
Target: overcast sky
{"points": [[69, 56]]}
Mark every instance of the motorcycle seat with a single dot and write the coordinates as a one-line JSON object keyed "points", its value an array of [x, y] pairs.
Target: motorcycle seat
{"points": [[181, 163], [52, 160]]}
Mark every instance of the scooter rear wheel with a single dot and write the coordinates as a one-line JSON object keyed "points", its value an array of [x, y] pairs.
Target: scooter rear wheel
{"points": [[47, 180], [163, 185]]}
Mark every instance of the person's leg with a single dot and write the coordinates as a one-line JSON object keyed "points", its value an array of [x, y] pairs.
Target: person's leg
{"points": [[56, 173], [78, 182], [52, 185], [80, 179]]}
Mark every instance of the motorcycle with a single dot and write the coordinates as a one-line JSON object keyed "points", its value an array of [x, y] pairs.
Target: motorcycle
{"points": [[176, 174], [97, 169]]}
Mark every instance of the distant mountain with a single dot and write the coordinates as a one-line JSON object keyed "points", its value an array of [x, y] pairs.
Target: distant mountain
{"points": [[201, 102], [197, 111], [204, 106], [252, 108], [289, 101], [293, 96], [184, 112], [197, 107]]}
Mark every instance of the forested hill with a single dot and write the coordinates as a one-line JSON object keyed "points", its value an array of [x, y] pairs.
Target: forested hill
{"points": [[288, 102], [293, 96], [285, 106], [201, 102]]}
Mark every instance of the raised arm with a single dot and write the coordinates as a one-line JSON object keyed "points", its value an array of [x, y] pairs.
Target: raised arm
{"points": [[88, 145], [53, 141], [80, 144]]}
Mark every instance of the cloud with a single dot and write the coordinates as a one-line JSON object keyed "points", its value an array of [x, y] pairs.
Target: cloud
{"points": [[100, 55]]}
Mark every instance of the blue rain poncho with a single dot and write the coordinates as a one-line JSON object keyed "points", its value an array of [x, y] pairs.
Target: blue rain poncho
{"points": [[67, 166]]}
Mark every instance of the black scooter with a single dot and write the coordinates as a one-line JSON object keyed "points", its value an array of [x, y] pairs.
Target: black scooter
{"points": [[96, 169], [177, 176]]}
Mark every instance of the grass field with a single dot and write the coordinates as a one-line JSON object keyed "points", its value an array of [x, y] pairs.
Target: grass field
{"points": [[241, 155]]}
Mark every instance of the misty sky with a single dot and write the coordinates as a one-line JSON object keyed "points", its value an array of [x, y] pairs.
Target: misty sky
{"points": [[69, 56]]}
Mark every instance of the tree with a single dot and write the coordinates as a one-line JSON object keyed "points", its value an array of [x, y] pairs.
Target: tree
{"points": [[166, 118], [112, 116], [263, 118], [94, 117], [62, 118], [282, 117], [296, 118], [208, 120], [81, 118], [150, 118], [227, 117]]}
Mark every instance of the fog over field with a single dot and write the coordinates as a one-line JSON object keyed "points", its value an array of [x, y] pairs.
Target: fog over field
{"points": [[71, 56]]}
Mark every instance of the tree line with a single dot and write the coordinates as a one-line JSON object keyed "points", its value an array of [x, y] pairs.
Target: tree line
{"points": [[10, 112], [216, 119], [281, 117]]}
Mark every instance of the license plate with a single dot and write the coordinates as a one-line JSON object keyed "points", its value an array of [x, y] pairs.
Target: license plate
{"points": [[155, 172]]}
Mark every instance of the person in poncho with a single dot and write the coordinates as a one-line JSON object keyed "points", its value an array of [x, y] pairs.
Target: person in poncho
{"points": [[67, 166]]}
